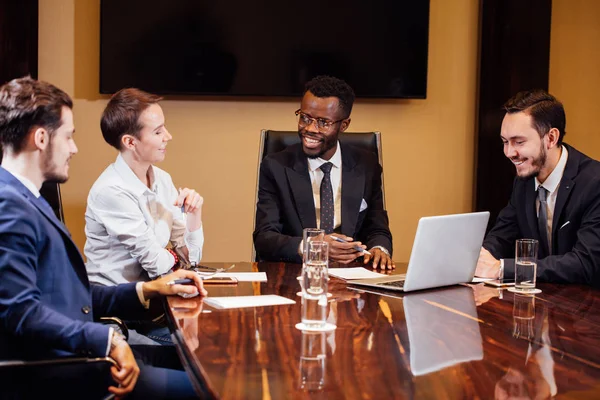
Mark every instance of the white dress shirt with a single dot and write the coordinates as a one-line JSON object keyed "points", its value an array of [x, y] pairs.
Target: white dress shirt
{"points": [[128, 226], [551, 185], [316, 176]]}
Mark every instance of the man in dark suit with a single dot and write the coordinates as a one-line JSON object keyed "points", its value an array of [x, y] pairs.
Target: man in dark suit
{"points": [[47, 306], [555, 198], [320, 183]]}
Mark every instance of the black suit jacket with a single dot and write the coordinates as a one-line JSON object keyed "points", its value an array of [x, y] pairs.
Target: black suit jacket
{"points": [[286, 205], [575, 253]]}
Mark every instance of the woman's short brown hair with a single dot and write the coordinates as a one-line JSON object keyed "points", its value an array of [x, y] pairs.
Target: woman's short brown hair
{"points": [[122, 113]]}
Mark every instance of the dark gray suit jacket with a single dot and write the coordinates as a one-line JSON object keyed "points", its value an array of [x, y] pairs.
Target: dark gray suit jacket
{"points": [[575, 253], [286, 205]]}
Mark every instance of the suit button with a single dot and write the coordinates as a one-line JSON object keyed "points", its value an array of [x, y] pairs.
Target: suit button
{"points": [[85, 309]]}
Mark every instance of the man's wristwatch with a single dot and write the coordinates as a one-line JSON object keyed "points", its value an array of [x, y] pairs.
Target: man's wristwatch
{"points": [[383, 249]]}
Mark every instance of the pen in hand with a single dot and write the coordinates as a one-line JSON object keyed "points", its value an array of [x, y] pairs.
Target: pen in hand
{"points": [[357, 248], [186, 281]]}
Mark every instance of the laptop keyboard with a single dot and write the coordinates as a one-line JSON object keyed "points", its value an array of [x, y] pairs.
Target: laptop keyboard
{"points": [[399, 284]]}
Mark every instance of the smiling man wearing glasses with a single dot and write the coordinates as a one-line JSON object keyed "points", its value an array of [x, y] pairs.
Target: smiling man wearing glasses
{"points": [[322, 183]]}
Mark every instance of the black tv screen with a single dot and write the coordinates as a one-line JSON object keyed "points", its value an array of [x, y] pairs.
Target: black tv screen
{"points": [[264, 47]]}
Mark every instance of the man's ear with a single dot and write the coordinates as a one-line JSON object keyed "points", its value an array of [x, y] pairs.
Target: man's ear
{"points": [[345, 124], [40, 138], [552, 137], [127, 142]]}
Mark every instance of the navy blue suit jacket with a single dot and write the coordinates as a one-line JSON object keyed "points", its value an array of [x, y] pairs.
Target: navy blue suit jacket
{"points": [[286, 205], [47, 306], [575, 253]]}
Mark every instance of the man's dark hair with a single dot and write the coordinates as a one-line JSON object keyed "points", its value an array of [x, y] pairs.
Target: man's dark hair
{"points": [[545, 110], [26, 103], [328, 86], [122, 113]]}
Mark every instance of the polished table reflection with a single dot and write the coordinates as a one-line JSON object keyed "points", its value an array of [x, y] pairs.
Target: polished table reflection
{"points": [[464, 341]]}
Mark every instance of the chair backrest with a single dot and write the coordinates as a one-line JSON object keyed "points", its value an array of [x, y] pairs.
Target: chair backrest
{"points": [[51, 192], [274, 141]]}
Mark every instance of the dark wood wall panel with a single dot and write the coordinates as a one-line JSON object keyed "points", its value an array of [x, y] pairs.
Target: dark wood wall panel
{"points": [[19, 57], [18, 39], [514, 55]]}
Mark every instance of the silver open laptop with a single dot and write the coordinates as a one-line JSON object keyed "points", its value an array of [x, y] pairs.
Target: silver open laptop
{"points": [[445, 252]]}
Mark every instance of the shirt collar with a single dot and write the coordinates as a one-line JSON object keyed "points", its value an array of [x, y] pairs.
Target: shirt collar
{"points": [[132, 180], [551, 183], [26, 182], [336, 160]]}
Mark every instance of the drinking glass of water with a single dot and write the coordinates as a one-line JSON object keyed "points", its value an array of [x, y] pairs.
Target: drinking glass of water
{"points": [[526, 266], [312, 361], [523, 316], [310, 235], [315, 278]]}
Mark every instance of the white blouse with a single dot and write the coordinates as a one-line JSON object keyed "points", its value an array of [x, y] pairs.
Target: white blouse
{"points": [[129, 225]]}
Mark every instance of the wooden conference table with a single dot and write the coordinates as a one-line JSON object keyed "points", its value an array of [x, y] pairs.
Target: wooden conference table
{"points": [[465, 341]]}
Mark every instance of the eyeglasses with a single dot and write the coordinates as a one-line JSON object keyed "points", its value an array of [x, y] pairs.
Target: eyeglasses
{"points": [[323, 125]]}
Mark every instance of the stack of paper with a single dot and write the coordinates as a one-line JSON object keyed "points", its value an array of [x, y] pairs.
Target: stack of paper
{"points": [[247, 301], [354, 273]]}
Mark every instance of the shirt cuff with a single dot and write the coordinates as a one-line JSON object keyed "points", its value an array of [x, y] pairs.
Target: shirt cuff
{"points": [[501, 272], [301, 247], [382, 249], [140, 293], [111, 332]]}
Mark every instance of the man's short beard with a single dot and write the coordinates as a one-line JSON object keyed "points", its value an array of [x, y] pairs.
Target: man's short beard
{"points": [[325, 150], [537, 162], [50, 167]]}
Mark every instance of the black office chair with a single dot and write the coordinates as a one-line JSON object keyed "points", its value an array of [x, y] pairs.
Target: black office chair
{"points": [[274, 141]]}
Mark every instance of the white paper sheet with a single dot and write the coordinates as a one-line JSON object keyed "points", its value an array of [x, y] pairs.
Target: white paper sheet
{"points": [[477, 279], [243, 276], [247, 301], [354, 273]]}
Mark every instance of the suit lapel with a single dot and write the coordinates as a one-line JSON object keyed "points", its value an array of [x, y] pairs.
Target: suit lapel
{"points": [[565, 189], [77, 262], [45, 208], [48, 213], [301, 188], [353, 184]]}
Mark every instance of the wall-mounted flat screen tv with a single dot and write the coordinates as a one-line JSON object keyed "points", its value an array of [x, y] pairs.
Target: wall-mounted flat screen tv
{"points": [[264, 47]]}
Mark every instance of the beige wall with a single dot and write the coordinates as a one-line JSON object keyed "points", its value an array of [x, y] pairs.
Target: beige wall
{"points": [[575, 69], [427, 144]]}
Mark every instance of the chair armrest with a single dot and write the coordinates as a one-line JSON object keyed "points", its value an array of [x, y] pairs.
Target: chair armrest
{"points": [[55, 362], [118, 322], [14, 372]]}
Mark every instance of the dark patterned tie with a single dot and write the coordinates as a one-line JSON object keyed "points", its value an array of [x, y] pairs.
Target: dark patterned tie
{"points": [[543, 220], [327, 209]]}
